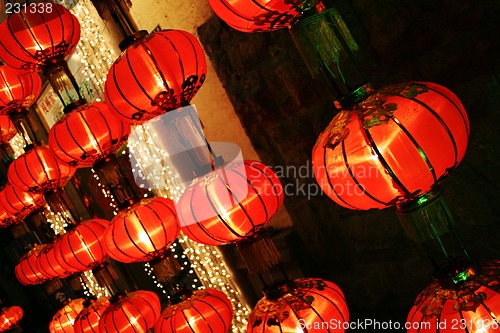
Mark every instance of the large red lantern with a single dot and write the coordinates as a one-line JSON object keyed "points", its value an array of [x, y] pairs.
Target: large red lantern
{"points": [[304, 305], [18, 203], [82, 248], [18, 89], [48, 264], [468, 300], [230, 204], [205, 311], [35, 37], [143, 231], [86, 135], [38, 171], [88, 320], [260, 15], [27, 269], [135, 312], [10, 317], [160, 72], [394, 145], [64, 319]]}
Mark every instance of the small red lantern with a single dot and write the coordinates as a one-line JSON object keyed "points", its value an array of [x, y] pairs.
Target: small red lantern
{"points": [[82, 248], [6, 219], [467, 301], [38, 171], [205, 311], [27, 269], [135, 312], [64, 319], [392, 146], [31, 39], [86, 135], [18, 89], [18, 203], [143, 231], [260, 15], [7, 129], [48, 265], [88, 320], [10, 317], [214, 211], [305, 304], [160, 72]]}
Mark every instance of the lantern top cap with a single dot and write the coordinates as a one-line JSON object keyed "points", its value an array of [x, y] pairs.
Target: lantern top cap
{"points": [[453, 274], [277, 289], [131, 39], [72, 106]]}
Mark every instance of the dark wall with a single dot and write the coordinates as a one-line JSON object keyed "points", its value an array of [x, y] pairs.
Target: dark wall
{"points": [[455, 43]]}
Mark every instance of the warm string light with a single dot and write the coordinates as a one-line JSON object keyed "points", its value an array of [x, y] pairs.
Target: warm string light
{"points": [[106, 192], [17, 143], [91, 286], [58, 221]]}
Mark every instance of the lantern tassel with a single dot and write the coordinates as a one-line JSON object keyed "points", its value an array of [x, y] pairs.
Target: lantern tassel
{"points": [[258, 252]]}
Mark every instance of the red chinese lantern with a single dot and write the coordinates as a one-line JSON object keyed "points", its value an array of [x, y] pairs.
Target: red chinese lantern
{"points": [[305, 304], [86, 135], [143, 231], [392, 146], [31, 39], [88, 320], [48, 264], [160, 72], [6, 219], [135, 312], [7, 129], [38, 171], [20, 204], [64, 319], [205, 311], [260, 15], [467, 301], [18, 89], [27, 269], [230, 203], [82, 248], [10, 317]]}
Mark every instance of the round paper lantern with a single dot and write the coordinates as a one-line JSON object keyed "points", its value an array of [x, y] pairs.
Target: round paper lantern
{"points": [[468, 300], [86, 135], [7, 129], [39, 171], [27, 269], [10, 317], [260, 15], [205, 311], [160, 72], [48, 264], [304, 304], [82, 248], [64, 319], [18, 203], [392, 146], [88, 320], [135, 312], [18, 89], [31, 39], [230, 203], [143, 231]]}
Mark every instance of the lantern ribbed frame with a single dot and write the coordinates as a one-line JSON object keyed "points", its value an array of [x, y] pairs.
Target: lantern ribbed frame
{"points": [[39, 171], [32, 40], [10, 317], [64, 319], [142, 231], [48, 265], [213, 212], [7, 129], [135, 312], [88, 320], [82, 247], [307, 302], [86, 135], [18, 203], [260, 15], [205, 311], [158, 73], [27, 269], [18, 89], [393, 146]]}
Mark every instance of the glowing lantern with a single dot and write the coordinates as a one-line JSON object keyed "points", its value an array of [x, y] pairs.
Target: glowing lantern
{"points": [[260, 15], [27, 271], [10, 317], [18, 90], [391, 146], [305, 304], [143, 231], [48, 265], [6, 219], [64, 319], [88, 320], [19, 204], [205, 311], [86, 135], [135, 312], [160, 72], [31, 39]]}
